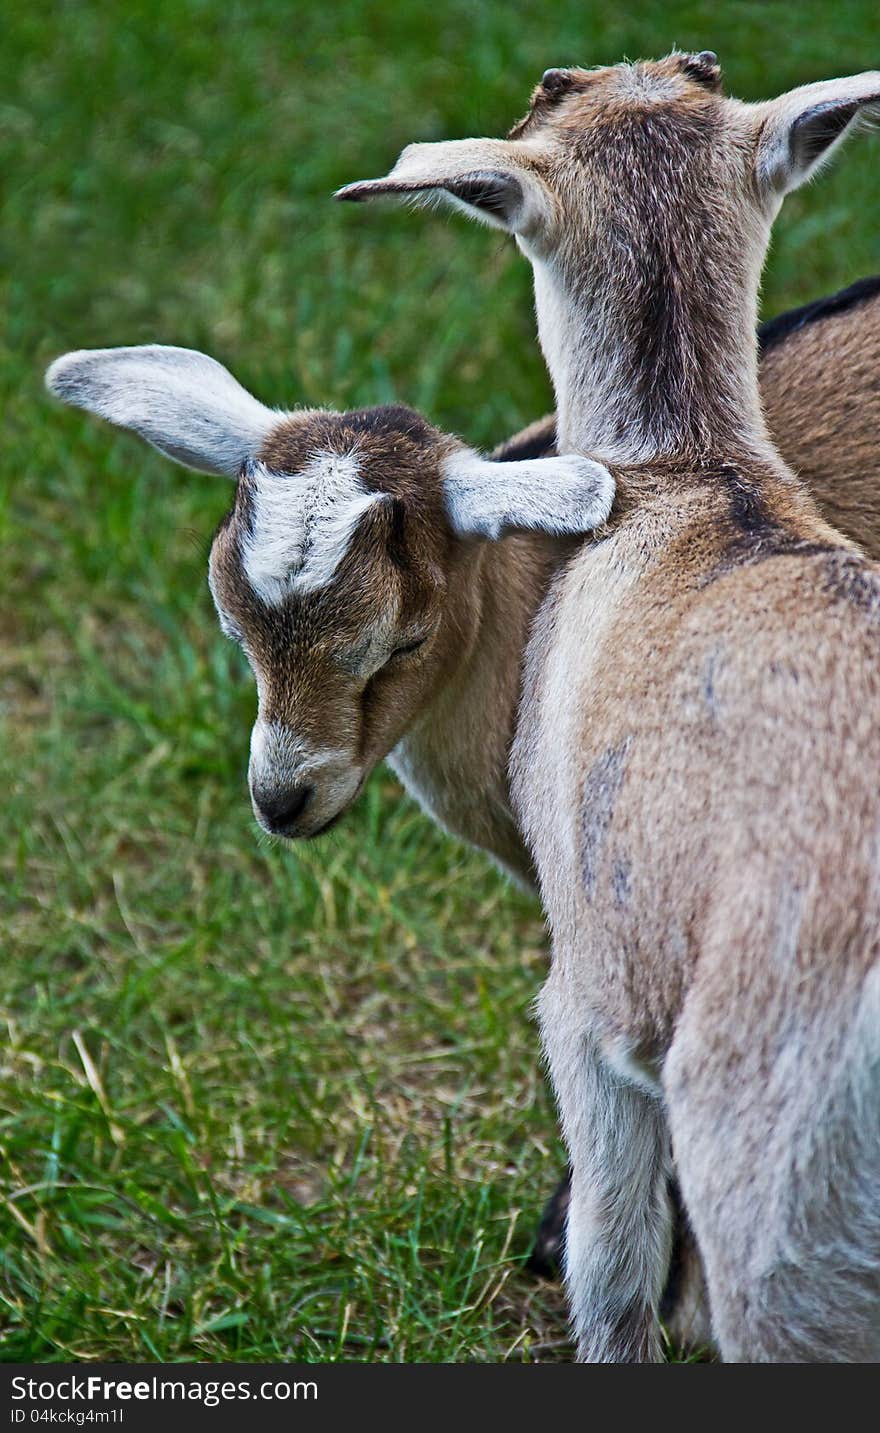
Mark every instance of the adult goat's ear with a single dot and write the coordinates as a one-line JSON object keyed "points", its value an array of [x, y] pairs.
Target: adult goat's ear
{"points": [[186, 404], [486, 499], [800, 130], [490, 179]]}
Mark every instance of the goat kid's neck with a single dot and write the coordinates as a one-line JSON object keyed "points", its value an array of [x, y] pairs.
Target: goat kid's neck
{"points": [[454, 759]]}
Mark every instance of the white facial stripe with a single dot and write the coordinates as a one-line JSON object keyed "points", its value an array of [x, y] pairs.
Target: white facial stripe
{"points": [[259, 741], [303, 524], [279, 755]]}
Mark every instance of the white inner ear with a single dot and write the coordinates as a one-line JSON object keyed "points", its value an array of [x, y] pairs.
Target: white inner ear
{"points": [[302, 525], [486, 499], [182, 402]]}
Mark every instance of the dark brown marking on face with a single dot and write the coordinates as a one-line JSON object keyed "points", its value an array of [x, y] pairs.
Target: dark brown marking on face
{"points": [[397, 548], [601, 788], [397, 552], [396, 445]]}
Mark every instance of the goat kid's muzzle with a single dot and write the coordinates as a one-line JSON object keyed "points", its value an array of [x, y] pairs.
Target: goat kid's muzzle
{"points": [[298, 791]]}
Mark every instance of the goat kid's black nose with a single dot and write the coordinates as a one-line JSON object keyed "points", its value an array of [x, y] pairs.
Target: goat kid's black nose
{"points": [[280, 811]]}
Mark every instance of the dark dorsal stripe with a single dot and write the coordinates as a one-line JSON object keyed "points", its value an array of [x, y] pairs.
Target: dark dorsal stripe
{"points": [[777, 330], [746, 506]]}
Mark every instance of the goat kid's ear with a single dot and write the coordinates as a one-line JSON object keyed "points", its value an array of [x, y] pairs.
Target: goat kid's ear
{"points": [[801, 129], [486, 499], [489, 179], [186, 404]]}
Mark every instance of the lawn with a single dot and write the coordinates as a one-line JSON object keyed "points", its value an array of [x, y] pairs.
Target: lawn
{"points": [[260, 1103]]}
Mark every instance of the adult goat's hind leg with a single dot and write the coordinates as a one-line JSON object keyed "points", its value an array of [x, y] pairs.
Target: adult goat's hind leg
{"points": [[775, 1125], [619, 1218]]}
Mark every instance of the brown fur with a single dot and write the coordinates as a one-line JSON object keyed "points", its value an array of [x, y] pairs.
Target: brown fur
{"points": [[821, 395], [402, 556], [820, 388], [684, 393], [820, 391]]}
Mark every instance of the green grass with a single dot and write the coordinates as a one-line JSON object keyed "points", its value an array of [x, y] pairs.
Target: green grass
{"points": [[260, 1104]]}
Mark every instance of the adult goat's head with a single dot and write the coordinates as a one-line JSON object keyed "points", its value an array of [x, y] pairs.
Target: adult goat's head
{"points": [[643, 197]]}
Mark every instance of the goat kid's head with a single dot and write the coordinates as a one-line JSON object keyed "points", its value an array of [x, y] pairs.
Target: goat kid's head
{"points": [[643, 197], [342, 564]]}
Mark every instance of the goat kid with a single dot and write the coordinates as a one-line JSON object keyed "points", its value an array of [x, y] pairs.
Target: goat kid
{"points": [[358, 572], [821, 395], [700, 708]]}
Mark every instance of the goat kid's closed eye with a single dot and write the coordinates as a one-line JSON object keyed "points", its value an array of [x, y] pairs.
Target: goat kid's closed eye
{"points": [[406, 649]]}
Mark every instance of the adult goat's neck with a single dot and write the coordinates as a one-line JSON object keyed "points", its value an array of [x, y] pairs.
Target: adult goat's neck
{"points": [[645, 366]]}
